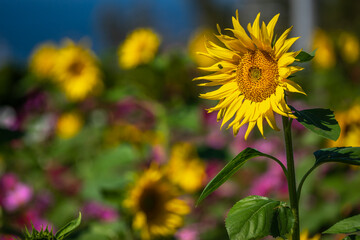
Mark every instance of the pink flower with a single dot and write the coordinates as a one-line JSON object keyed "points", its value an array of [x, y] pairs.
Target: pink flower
{"points": [[98, 211], [187, 233], [32, 217], [14, 194]]}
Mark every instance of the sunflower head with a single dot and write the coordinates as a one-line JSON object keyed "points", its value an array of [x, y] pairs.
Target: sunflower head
{"points": [[139, 47], [349, 121], [155, 204], [325, 57], [185, 169], [68, 125], [251, 70], [197, 45], [77, 72], [349, 47], [43, 59]]}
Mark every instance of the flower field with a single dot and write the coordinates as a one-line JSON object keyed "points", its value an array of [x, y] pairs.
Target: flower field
{"points": [[148, 139]]}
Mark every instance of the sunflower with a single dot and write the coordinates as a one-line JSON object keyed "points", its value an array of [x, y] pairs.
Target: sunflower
{"points": [[349, 47], [157, 210], [349, 121], [68, 125], [76, 71], [196, 44], [325, 53], [43, 59], [138, 48], [185, 169], [252, 74]]}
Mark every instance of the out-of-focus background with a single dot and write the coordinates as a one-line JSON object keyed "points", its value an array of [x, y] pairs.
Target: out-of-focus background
{"points": [[97, 98]]}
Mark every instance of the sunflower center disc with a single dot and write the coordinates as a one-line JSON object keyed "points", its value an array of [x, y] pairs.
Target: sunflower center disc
{"points": [[76, 67], [257, 75]]}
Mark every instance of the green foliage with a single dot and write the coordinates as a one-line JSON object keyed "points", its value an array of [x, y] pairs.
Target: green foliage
{"points": [[42, 235], [305, 57], [348, 225], [352, 237], [348, 155], [229, 170], [255, 217], [48, 235], [320, 121], [68, 228]]}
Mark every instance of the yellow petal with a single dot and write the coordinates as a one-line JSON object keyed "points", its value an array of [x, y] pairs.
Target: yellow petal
{"points": [[293, 87], [271, 26], [221, 66], [286, 59], [231, 110], [250, 127], [225, 103], [280, 42], [260, 125], [287, 44], [269, 116], [220, 93]]}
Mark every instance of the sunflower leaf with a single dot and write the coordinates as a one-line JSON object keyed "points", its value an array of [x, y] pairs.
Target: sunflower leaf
{"points": [[305, 57], [229, 170], [348, 225], [320, 121], [68, 228], [348, 155], [255, 217]]}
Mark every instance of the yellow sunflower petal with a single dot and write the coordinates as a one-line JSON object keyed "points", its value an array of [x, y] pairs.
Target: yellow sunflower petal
{"points": [[293, 87], [250, 127], [271, 26]]}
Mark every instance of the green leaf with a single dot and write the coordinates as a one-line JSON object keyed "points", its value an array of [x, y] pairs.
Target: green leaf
{"points": [[255, 217], [305, 57], [68, 228], [348, 225], [229, 170], [348, 155], [284, 223], [320, 121], [352, 237]]}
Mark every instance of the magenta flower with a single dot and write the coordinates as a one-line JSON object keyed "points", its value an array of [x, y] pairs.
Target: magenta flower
{"points": [[187, 233], [32, 217], [99, 212], [14, 194]]}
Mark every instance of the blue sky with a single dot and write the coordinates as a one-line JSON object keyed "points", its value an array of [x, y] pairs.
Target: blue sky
{"points": [[26, 23]]}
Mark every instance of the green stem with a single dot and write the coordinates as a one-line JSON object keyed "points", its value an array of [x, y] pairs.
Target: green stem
{"points": [[294, 203], [303, 180]]}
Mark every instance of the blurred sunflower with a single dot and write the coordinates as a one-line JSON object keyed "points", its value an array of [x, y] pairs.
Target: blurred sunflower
{"points": [[349, 47], [197, 45], [252, 73], [155, 204], [43, 59], [68, 125], [185, 169], [138, 48], [349, 121], [305, 236], [76, 71], [325, 53]]}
